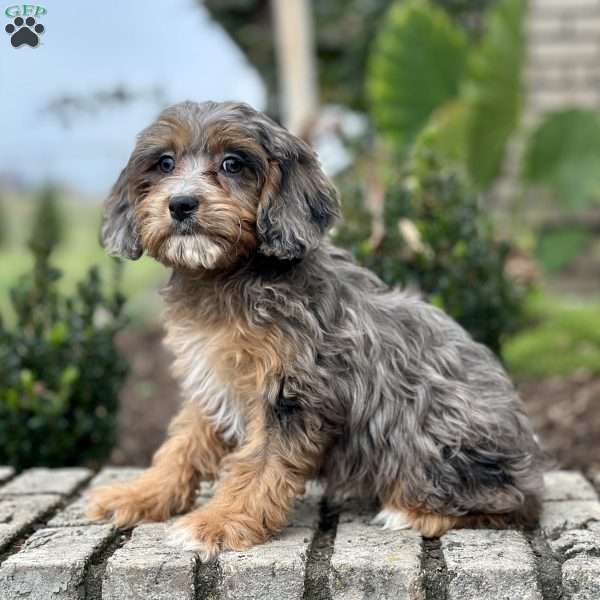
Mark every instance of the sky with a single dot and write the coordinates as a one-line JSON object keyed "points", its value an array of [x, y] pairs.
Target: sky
{"points": [[97, 46]]}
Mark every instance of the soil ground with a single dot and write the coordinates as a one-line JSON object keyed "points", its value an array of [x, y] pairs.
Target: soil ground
{"points": [[565, 411]]}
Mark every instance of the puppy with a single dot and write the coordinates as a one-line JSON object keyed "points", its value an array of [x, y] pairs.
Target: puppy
{"points": [[296, 363]]}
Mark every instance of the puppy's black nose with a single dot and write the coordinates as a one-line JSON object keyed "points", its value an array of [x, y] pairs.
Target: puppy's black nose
{"points": [[182, 207]]}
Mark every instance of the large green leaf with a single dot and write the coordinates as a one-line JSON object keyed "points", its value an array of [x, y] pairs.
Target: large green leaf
{"points": [[563, 153], [494, 89], [445, 134], [416, 65]]}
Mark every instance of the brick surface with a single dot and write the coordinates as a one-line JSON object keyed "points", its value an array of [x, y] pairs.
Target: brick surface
{"points": [[51, 565], [75, 513], [576, 542], [567, 485], [369, 562], [570, 514], [581, 578], [306, 508], [145, 568], [110, 475], [579, 552], [558, 8], [6, 473], [46, 481], [18, 513], [274, 570], [555, 27], [488, 565], [71, 558]]}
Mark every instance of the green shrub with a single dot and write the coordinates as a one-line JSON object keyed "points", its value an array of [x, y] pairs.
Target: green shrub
{"points": [[452, 256], [47, 228], [59, 369], [3, 228]]}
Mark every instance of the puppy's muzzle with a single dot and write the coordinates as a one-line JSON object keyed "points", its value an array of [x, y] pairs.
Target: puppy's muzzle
{"points": [[182, 207]]}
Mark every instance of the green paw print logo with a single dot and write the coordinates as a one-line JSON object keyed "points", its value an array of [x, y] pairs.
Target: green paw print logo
{"points": [[24, 29]]}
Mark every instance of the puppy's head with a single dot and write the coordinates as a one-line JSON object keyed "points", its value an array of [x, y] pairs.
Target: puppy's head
{"points": [[208, 185]]}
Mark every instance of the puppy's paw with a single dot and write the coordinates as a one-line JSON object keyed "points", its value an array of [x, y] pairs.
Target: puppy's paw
{"points": [[208, 532], [184, 537], [395, 520], [128, 504]]}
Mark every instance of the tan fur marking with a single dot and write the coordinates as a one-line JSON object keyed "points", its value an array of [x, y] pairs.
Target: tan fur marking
{"points": [[431, 525], [435, 525], [254, 498], [192, 452], [225, 366], [225, 220], [247, 357]]}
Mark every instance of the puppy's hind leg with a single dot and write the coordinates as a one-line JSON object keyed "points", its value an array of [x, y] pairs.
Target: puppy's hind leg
{"points": [[432, 524], [399, 514], [392, 518], [192, 452], [395, 517]]}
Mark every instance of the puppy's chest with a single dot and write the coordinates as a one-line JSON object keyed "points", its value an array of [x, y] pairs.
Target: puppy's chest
{"points": [[226, 370]]}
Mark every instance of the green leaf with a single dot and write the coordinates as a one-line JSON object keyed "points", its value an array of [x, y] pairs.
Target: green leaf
{"points": [[563, 153], [445, 134], [57, 334], [494, 90], [416, 66], [69, 376]]}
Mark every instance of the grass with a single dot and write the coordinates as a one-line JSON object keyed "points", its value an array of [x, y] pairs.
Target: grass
{"points": [[79, 250], [564, 337], [557, 249]]}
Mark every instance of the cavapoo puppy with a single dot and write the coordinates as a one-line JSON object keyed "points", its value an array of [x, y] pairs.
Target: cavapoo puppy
{"points": [[295, 363]]}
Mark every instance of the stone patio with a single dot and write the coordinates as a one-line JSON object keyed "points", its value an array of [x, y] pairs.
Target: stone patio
{"points": [[50, 551]]}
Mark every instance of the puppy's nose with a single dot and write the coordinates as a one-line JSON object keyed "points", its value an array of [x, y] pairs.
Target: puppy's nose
{"points": [[182, 207]]}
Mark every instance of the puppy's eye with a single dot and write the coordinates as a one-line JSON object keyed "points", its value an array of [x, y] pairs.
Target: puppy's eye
{"points": [[166, 163], [232, 165]]}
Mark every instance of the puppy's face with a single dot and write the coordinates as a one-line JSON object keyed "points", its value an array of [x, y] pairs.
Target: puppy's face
{"points": [[208, 185]]}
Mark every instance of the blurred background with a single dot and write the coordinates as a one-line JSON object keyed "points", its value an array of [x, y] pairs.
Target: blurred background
{"points": [[463, 135]]}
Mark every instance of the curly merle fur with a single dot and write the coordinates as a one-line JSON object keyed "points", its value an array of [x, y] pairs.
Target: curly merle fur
{"points": [[369, 388]]}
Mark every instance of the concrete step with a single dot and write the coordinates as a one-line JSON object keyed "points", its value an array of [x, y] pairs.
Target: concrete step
{"points": [[49, 550]]}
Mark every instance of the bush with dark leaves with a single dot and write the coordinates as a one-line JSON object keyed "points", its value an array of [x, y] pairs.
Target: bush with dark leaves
{"points": [[60, 372], [438, 240]]}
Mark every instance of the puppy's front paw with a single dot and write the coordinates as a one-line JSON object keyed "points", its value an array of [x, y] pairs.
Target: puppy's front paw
{"points": [[207, 532], [127, 504]]}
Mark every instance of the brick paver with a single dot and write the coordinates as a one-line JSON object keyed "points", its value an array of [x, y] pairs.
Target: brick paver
{"points": [[49, 550], [46, 481]]}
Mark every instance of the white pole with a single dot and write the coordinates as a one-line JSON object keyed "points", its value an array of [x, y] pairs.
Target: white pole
{"points": [[294, 42]]}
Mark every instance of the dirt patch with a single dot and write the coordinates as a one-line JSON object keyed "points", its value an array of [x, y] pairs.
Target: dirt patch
{"points": [[566, 415], [565, 411], [149, 399]]}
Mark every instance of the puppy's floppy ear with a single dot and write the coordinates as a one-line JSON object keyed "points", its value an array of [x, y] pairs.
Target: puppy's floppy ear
{"points": [[119, 232], [298, 203]]}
